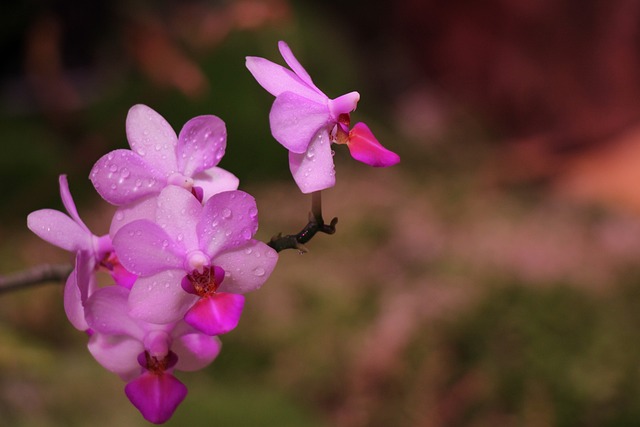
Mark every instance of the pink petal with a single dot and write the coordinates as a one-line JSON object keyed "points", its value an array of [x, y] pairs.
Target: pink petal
{"points": [[117, 354], [365, 148], [144, 208], [276, 79], [247, 268], [314, 170], [229, 219], [60, 230], [80, 285], [144, 248], [156, 396], [214, 181], [160, 298], [68, 202], [177, 213], [295, 65], [201, 144], [73, 307], [123, 177], [152, 138], [296, 120], [216, 314], [107, 312], [195, 350]]}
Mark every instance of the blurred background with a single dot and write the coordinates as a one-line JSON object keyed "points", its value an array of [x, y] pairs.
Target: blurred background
{"points": [[490, 279]]}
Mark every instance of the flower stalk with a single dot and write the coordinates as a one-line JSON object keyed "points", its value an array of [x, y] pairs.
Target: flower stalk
{"points": [[316, 224]]}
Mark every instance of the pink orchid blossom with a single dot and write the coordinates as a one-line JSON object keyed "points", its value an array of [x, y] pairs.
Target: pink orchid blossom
{"points": [[194, 261], [69, 232], [144, 354], [305, 121], [158, 157]]}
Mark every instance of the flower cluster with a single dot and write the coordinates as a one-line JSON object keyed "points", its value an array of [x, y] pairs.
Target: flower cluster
{"points": [[180, 250]]}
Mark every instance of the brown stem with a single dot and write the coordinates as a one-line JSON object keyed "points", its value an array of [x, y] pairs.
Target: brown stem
{"points": [[316, 224], [37, 275]]}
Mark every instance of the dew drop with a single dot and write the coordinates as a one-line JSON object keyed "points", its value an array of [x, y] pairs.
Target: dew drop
{"points": [[113, 167], [226, 213], [258, 271], [246, 233], [124, 173], [271, 254], [119, 216], [248, 251], [141, 152], [253, 212], [114, 186]]}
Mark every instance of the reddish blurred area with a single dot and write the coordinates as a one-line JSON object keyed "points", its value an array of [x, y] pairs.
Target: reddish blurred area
{"points": [[560, 78], [557, 78]]}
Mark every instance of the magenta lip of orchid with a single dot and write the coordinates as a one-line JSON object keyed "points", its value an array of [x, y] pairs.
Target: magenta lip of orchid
{"points": [[306, 122]]}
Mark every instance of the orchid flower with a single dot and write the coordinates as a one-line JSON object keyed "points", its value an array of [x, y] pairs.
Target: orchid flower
{"points": [[159, 158], [69, 232], [194, 261], [144, 354], [305, 121]]}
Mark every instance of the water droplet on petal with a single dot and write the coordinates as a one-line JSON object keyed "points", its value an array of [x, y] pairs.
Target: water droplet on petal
{"points": [[258, 271], [226, 213], [246, 233], [271, 254], [113, 167]]}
